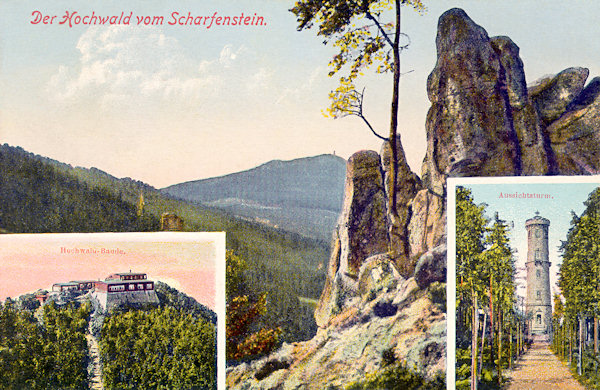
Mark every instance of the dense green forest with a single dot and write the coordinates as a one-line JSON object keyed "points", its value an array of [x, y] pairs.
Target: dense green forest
{"points": [[38, 198], [577, 312], [171, 297], [172, 345], [489, 329], [284, 265], [158, 348], [47, 355]]}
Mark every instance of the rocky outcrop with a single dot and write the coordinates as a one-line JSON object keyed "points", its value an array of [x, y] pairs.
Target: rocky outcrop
{"points": [[361, 233], [400, 318], [553, 94], [575, 136], [469, 128], [484, 121], [371, 304]]}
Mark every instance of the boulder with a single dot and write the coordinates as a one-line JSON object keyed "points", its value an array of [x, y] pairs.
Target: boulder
{"points": [[552, 95], [575, 138], [431, 267], [377, 274], [469, 127]]}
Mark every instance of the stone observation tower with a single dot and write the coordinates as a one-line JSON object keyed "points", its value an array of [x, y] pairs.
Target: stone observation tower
{"points": [[538, 304]]}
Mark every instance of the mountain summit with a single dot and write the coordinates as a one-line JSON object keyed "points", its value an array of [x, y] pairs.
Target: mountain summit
{"points": [[302, 195]]}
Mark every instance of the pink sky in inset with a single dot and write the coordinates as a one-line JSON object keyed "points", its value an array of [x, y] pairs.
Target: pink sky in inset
{"points": [[31, 262]]}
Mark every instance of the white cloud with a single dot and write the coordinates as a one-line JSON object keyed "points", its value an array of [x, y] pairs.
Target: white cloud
{"points": [[120, 67]]}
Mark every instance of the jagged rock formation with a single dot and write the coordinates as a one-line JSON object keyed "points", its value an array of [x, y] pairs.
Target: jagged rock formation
{"points": [[361, 232], [483, 121], [469, 128]]}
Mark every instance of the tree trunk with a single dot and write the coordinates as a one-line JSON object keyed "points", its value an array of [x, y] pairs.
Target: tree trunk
{"points": [[391, 190], [579, 355], [564, 350], [482, 344], [510, 347], [491, 322], [570, 345], [474, 333], [519, 338], [595, 335], [499, 347]]}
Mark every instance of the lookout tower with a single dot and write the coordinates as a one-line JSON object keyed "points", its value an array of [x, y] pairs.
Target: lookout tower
{"points": [[538, 304]]}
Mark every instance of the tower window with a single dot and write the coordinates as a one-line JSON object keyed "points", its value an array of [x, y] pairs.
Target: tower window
{"points": [[537, 273], [539, 318], [538, 294], [538, 254], [538, 233]]}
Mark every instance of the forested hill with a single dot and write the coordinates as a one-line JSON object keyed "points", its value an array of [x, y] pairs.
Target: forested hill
{"points": [[169, 296], [302, 195], [169, 346], [38, 194]]}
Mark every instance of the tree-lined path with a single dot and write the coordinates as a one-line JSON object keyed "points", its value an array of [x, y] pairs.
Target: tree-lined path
{"points": [[540, 369]]}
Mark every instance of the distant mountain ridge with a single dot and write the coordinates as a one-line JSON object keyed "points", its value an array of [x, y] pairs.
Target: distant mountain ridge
{"points": [[302, 195]]}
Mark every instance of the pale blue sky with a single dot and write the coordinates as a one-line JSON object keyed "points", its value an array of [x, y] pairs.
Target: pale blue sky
{"points": [[169, 104]]}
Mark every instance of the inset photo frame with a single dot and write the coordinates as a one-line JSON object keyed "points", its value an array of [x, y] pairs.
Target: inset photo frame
{"points": [[126, 308], [515, 257]]}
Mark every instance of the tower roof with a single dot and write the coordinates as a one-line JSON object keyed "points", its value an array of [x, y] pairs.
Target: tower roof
{"points": [[537, 220]]}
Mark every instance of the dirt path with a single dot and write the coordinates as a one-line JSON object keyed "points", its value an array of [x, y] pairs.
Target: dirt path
{"points": [[94, 351], [540, 369]]}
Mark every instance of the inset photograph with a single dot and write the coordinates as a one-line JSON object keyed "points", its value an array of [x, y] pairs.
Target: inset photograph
{"points": [[524, 260], [111, 310]]}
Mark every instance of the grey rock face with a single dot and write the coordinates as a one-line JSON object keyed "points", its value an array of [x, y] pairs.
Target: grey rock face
{"points": [[575, 136], [484, 121], [469, 129], [552, 95], [427, 227], [361, 232], [533, 155]]}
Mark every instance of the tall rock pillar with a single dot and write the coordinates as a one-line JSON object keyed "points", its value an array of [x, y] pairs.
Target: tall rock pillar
{"points": [[538, 305]]}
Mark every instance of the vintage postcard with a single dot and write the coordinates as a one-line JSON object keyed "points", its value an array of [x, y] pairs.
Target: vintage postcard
{"points": [[109, 310], [522, 257], [318, 135]]}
